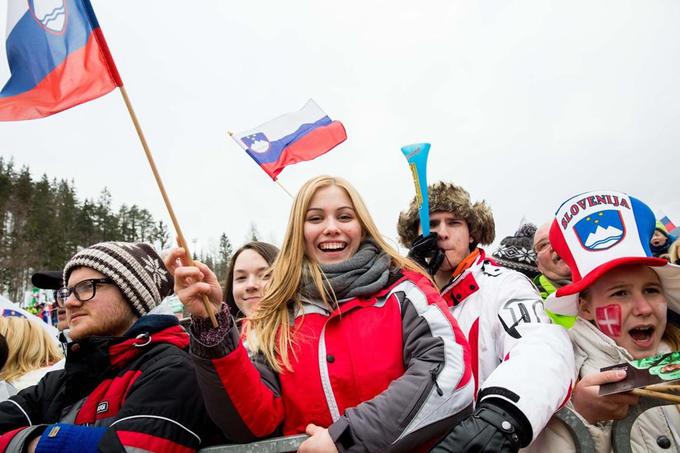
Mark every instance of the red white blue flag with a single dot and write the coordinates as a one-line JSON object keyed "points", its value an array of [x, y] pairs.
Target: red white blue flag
{"points": [[668, 224], [57, 56], [291, 138]]}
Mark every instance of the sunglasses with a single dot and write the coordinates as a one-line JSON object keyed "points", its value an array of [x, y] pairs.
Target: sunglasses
{"points": [[83, 291]]}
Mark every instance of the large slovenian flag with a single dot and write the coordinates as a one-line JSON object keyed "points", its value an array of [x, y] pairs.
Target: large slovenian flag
{"points": [[291, 138], [57, 56]]}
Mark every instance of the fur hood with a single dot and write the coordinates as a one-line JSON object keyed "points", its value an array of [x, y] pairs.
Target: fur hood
{"points": [[446, 197]]}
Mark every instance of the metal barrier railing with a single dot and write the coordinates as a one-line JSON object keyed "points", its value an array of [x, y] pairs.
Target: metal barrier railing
{"points": [[580, 435], [583, 442], [620, 433], [275, 445], [621, 428]]}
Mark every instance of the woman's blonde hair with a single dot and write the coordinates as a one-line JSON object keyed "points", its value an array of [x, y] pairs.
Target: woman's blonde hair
{"points": [[674, 252], [672, 336], [30, 347], [269, 329]]}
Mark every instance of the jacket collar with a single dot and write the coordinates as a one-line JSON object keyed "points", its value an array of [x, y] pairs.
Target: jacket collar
{"points": [[89, 360], [149, 329], [474, 260]]}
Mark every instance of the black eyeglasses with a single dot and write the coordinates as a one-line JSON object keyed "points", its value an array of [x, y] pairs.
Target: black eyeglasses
{"points": [[83, 291]]}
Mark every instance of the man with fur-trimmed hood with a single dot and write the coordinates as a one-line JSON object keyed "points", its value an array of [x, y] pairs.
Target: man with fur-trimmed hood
{"points": [[523, 364]]}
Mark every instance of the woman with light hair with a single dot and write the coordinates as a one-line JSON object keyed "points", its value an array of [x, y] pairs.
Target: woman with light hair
{"points": [[32, 352], [354, 346], [674, 252]]}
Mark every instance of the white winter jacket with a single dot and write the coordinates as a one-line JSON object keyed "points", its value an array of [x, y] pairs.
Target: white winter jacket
{"points": [[518, 355], [594, 350]]}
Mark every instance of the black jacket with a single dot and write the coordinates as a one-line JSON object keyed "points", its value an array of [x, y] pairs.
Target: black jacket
{"points": [[138, 390]]}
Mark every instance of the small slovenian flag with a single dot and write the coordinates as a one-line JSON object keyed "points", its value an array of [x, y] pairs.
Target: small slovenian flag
{"points": [[667, 223], [291, 138], [57, 56]]}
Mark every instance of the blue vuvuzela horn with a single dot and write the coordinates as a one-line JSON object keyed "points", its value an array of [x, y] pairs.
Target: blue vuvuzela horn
{"points": [[416, 155]]}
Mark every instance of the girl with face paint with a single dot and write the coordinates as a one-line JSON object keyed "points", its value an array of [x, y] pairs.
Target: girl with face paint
{"points": [[620, 296], [628, 305]]}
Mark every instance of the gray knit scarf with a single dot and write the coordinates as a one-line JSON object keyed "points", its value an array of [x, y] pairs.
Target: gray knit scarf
{"points": [[366, 272]]}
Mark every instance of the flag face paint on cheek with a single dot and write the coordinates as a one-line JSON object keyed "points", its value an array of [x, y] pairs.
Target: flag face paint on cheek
{"points": [[608, 319]]}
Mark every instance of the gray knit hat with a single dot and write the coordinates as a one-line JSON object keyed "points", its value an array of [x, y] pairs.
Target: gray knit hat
{"points": [[135, 268], [517, 251]]}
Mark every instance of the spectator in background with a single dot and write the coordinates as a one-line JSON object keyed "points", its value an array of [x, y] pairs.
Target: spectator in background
{"points": [[516, 252], [52, 280], [248, 274], [355, 345], [661, 241], [501, 314], [6, 389], [128, 383], [32, 353], [554, 271], [674, 252], [621, 295]]}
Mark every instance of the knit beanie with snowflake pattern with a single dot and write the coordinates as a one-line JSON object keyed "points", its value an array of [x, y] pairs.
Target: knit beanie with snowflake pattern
{"points": [[135, 268], [517, 251]]}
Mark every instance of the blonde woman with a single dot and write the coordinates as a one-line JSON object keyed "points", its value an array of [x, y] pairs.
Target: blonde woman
{"points": [[354, 346], [674, 252], [31, 352]]}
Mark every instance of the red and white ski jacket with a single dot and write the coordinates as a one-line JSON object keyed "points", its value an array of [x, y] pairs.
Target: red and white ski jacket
{"points": [[386, 372], [518, 355]]}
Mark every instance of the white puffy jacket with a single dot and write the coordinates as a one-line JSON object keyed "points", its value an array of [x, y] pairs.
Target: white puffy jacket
{"points": [[594, 350], [518, 354]]}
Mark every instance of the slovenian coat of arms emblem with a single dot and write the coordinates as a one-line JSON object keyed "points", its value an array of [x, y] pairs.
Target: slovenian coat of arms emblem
{"points": [[50, 14]]}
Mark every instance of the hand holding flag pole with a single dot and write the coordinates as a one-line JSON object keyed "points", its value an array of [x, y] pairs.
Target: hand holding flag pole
{"points": [[180, 236], [416, 156], [59, 60]]}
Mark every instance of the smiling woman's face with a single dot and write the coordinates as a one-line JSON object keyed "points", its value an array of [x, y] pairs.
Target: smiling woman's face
{"points": [[628, 304], [250, 279], [332, 230]]}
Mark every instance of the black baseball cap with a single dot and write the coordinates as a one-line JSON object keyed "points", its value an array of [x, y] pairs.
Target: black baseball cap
{"points": [[48, 279]]}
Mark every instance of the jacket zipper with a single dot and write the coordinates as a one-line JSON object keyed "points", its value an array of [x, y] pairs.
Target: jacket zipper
{"points": [[424, 393], [434, 372]]}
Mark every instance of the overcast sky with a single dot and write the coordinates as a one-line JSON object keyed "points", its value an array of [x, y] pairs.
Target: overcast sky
{"points": [[525, 103]]}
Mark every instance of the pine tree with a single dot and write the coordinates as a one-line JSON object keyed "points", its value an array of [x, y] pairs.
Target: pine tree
{"points": [[224, 255], [161, 235], [253, 234], [42, 224]]}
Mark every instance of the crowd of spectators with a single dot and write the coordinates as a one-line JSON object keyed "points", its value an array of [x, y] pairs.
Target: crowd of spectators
{"points": [[340, 337]]}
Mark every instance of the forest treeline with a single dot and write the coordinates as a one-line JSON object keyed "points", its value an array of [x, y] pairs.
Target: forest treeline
{"points": [[43, 223]]}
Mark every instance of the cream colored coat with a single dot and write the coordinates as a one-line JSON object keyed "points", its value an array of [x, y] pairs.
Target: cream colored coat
{"points": [[594, 350]]}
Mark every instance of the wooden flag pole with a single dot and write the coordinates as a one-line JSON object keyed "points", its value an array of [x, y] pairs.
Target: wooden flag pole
{"points": [[664, 387], [168, 205], [284, 189], [652, 394]]}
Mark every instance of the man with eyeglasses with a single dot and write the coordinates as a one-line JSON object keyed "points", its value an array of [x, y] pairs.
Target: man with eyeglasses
{"points": [[554, 272], [128, 383]]}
